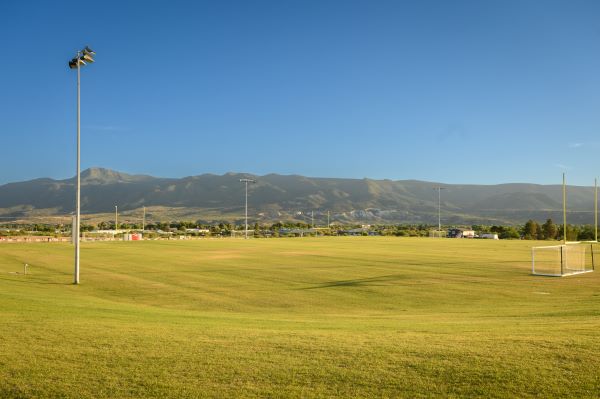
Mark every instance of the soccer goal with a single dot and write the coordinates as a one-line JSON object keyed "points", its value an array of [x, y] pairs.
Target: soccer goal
{"points": [[242, 233], [564, 260], [437, 233]]}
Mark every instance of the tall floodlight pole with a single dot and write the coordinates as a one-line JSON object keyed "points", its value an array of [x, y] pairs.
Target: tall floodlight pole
{"points": [[83, 57], [246, 181], [116, 218], [564, 209], [144, 220], [439, 190], [596, 209]]}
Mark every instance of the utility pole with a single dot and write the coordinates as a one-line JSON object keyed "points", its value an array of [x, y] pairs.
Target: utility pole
{"points": [[246, 181], [144, 221], [83, 57]]}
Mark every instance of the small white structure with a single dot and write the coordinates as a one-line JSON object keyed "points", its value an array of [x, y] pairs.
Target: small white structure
{"points": [[132, 237], [197, 230], [489, 236], [461, 233]]}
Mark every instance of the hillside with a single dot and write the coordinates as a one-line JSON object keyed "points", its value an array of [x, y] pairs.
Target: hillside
{"points": [[278, 197]]}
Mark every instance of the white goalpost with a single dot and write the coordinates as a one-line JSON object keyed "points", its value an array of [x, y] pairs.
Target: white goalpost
{"points": [[571, 257], [564, 260]]}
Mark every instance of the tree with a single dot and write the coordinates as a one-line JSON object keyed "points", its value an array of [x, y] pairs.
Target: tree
{"points": [[86, 227], [572, 232], [509, 233], [586, 233], [549, 230], [530, 230], [481, 228]]}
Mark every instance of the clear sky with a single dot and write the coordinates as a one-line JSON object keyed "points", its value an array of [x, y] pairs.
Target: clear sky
{"points": [[449, 91]]}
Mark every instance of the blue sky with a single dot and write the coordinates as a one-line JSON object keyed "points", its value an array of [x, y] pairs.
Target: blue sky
{"points": [[449, 91]]}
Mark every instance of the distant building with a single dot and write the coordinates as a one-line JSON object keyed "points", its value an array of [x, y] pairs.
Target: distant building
{"points": [[197, 230], [461, 233], [358, 232], [489, 236], [132, 237]]}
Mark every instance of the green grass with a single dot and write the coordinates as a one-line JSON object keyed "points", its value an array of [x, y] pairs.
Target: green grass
{"points": [[312, 317]]}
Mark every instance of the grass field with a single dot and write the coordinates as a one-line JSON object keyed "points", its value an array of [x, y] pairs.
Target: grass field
{"points": [[313, 317]]}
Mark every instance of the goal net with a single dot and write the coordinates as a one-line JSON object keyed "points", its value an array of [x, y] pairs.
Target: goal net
{"points": [[242, 233], [437, 233], [563, 260]]}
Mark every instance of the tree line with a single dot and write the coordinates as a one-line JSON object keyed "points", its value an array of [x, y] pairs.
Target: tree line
{"points": [[531, 230], [551, 231]]}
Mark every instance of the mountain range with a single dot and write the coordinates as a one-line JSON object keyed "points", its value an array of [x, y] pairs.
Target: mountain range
{"points": [[274, 197]]}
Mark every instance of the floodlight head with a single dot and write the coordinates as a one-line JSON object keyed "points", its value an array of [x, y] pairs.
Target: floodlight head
{"points": [[84, 57], [88, 50], [87, 57], [247, 181]]}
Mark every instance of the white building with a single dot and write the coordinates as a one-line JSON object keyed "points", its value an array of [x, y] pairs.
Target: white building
{"points": [[489, 236]]}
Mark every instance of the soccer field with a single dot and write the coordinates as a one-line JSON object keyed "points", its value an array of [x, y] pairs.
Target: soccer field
{"points": [[312, 317]]}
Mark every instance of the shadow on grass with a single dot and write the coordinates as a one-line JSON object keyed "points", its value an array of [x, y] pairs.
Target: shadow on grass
{"points": [[361, 282]]}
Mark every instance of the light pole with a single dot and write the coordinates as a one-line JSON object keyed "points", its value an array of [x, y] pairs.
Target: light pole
{"points": [[564, 192], [596, 209], [116, 218], [439, 190], [144, 221], [246, 181], [83, 57]]}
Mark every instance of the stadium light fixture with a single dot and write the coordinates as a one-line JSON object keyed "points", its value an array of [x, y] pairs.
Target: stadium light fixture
{"points": [[83, 57], [246, 181]]}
